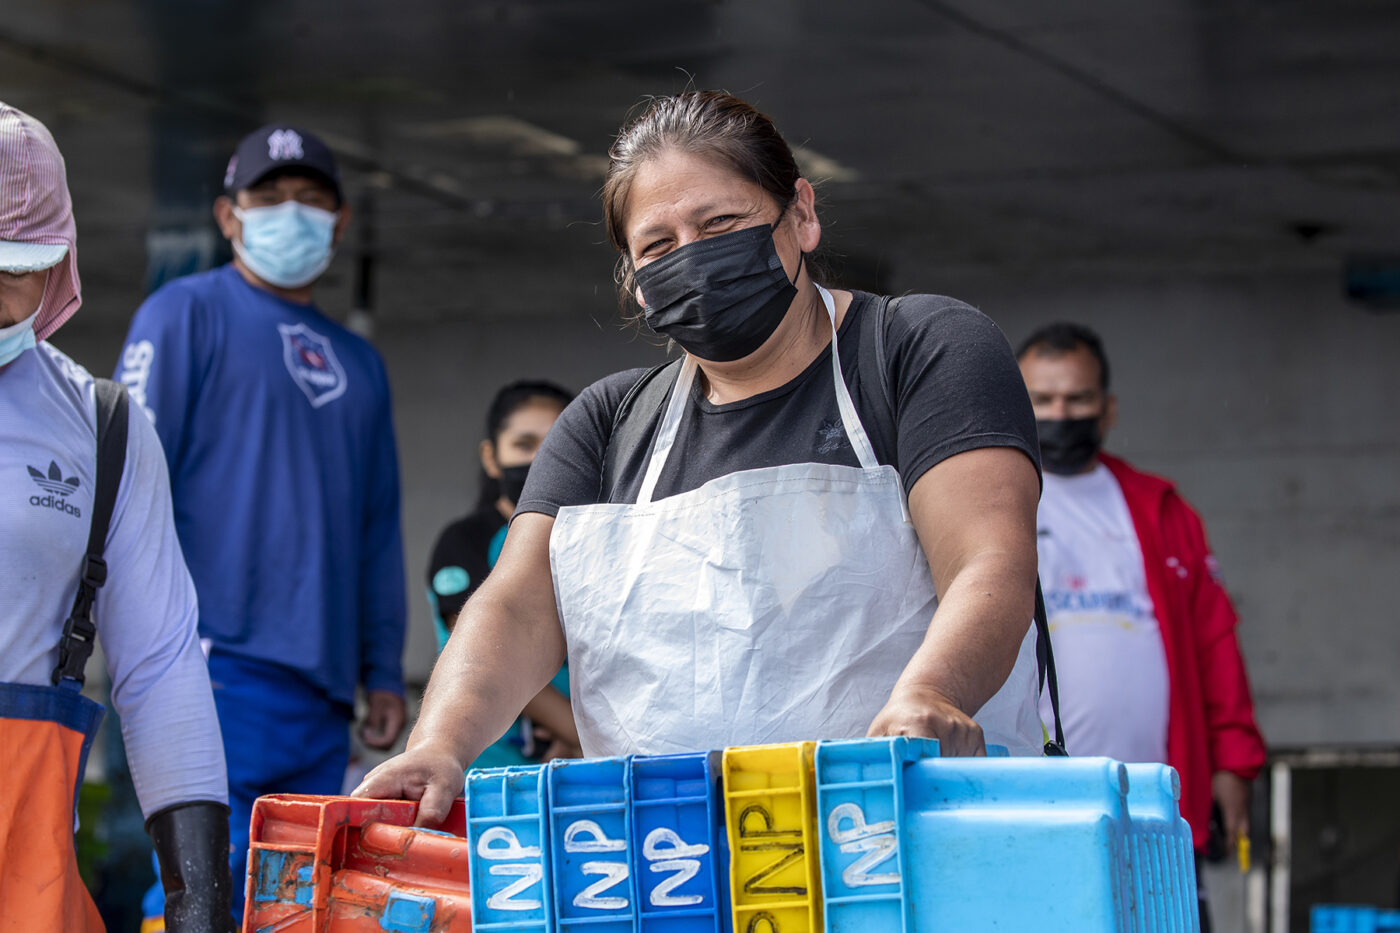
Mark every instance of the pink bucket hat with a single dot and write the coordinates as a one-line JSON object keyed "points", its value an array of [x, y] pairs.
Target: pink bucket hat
{"points": [[36, 216]]}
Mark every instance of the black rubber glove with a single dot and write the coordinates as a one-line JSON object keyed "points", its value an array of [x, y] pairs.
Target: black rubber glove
{"points": [[191, 842]]}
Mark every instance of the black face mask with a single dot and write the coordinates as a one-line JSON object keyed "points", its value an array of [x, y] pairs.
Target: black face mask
{"points": [[719, 298], [1068, 445], [513, 481]]}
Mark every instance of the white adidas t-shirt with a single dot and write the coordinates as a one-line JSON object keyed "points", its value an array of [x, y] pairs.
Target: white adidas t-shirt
{"points": [[1109, 654], [145, 613]]}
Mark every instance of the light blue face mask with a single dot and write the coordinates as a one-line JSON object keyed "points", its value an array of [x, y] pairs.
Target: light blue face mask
{"points": [[287, 245], [17, 338]]}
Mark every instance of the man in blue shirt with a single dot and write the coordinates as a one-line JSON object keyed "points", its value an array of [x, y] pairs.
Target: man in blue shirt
{"points": [[276, 426]]}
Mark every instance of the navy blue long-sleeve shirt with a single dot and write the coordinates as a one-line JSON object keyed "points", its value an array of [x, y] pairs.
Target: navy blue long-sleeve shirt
{"points": [[277, 429]]}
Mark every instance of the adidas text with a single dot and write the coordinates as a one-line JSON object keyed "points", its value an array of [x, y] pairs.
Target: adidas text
{"points": [[55, 502]]}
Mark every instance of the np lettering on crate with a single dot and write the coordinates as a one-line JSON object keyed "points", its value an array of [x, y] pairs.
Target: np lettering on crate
{"points": [[757, 834], [665, 851], [586, 836], [847, 829], [500, 844]]}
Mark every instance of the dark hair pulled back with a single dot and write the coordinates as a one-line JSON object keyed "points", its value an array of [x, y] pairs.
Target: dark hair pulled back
{"points": [[711, 124], [508, 400]]}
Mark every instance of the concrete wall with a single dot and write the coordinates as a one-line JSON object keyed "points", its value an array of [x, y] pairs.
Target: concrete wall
{"points": [[1270, 401]]}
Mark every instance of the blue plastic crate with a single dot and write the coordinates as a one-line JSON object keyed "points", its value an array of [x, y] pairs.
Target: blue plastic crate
{"points": [[1348, 918], [1161, 858], [860, 811], [677, 828], [508, 835], [1048, 844], [591, 845]]}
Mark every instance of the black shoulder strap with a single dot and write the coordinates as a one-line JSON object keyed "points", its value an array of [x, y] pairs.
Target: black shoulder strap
{"points": [[1044, 655], [647, 394], [1045, 660], [885, 307], [75, 647]]}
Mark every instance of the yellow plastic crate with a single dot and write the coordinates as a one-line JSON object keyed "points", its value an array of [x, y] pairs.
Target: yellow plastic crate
{"points": [[770, 804]]}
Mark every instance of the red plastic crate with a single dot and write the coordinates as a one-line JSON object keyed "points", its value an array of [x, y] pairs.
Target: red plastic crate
{"points": [[341, 864]]}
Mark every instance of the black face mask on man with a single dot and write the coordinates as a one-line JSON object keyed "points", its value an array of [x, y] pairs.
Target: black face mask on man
{"points": [[720, 298], [513, 481], [1068, 445]]}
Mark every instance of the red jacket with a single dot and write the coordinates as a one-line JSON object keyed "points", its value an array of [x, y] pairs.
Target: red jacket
{"points": [[1210, 718]]}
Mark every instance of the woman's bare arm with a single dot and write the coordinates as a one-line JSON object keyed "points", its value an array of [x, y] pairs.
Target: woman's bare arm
{"points": [[975, 517], [505, 647]]}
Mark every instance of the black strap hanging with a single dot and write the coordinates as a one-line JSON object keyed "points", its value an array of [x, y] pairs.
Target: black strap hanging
{"points": [[1045, 660], [75, 647], [628, 435], [1044, 655]]}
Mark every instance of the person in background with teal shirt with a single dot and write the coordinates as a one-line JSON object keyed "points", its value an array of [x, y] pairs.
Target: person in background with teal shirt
{"points": [[516, 423]]}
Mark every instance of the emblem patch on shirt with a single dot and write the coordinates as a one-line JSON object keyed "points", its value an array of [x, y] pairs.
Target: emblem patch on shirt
{"points": [[831, 436], [312, 364], [449, 581], [56, 489]]}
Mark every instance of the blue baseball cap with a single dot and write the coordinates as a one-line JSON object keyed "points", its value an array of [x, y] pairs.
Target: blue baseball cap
{"points": [[276, 147]]}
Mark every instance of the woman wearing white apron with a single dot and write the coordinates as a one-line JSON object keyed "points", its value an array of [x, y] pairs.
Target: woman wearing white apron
{"points": [[749, 545]]}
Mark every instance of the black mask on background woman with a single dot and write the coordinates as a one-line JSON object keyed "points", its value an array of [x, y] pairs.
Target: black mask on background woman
{"points": [[720, 298], [1068, 445], [513, 481]]}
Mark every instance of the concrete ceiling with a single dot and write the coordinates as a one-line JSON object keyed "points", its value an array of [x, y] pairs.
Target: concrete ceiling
{"points": [[999, 138]]}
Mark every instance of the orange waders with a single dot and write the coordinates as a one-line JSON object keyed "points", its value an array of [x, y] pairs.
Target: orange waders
{"points": [[45, 733]]}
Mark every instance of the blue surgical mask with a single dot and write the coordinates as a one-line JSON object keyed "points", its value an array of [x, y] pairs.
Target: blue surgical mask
{"points": [[17, 338], [287, 245]]}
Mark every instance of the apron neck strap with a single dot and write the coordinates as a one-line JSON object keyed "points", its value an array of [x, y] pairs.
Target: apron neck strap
{"points": [[666, 433], [680, 395], [855, 431]]}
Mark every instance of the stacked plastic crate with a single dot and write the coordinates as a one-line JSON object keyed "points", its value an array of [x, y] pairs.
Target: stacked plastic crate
{"points": [[862, 836], [1352, 918], [342, 864]]}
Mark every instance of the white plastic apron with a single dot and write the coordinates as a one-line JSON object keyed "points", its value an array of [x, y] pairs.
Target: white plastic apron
{"points": [[770, 605]]}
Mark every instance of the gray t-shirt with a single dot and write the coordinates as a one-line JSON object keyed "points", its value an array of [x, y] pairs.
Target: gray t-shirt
{"points": [[953, 382]]}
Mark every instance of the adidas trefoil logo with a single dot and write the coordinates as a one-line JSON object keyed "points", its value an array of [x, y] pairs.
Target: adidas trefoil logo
{"points": [[57, 487], [54, 481]]}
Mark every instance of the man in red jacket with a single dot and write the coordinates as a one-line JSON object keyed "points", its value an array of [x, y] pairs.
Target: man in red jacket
{"points": [[1144, 633]]}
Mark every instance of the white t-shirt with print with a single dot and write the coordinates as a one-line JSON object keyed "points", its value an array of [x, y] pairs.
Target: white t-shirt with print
{"points": [[1109, 655]]}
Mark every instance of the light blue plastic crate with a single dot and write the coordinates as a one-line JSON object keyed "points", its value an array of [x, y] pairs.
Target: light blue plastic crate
{"points": [[677, 828], [1161, 869], [1048, 844], [508, 835], [591, 845], [860, 810], [1348, 918]]}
